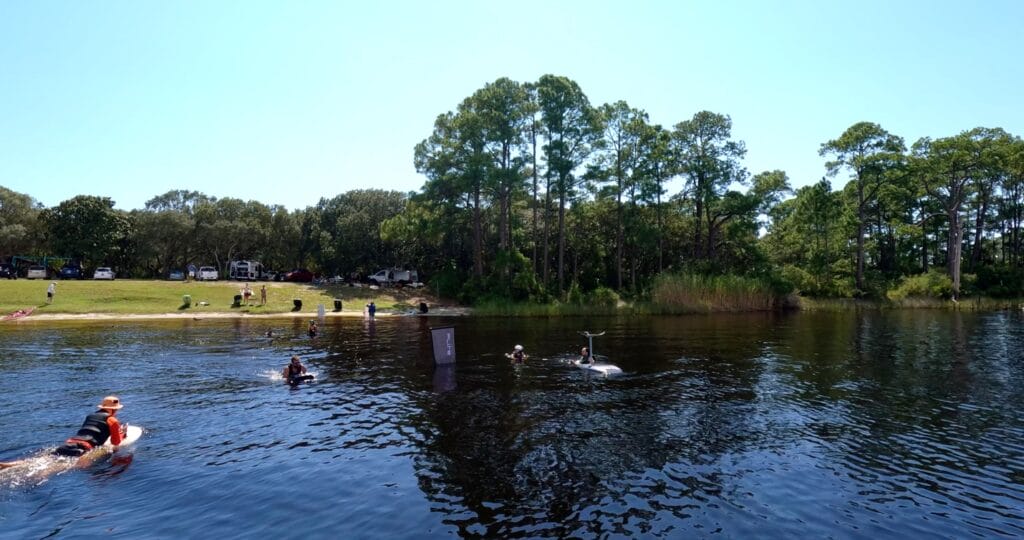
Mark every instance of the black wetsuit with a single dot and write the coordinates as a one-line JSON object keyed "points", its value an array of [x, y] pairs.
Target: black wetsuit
{"points": [[93, 433], [295, 373], [518, 357]]}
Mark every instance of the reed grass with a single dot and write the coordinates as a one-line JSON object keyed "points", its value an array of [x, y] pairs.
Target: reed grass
{"points": [[693, 293]]}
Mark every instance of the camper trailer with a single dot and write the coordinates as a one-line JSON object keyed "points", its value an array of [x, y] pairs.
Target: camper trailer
{"points": [[245, 270], [388, 276]]}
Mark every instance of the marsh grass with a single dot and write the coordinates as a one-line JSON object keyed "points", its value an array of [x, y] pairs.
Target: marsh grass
{"points": [[155, 297], [497, 308], [692, 293]]}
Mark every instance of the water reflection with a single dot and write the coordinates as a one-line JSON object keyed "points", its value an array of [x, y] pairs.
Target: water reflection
{"points": [[853, 425]]}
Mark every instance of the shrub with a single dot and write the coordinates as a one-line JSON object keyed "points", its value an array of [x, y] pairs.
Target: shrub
{"points": [[603, 296], [934, 284]]}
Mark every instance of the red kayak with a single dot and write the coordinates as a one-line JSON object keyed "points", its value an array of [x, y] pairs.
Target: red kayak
{"points": [[18, 314]]}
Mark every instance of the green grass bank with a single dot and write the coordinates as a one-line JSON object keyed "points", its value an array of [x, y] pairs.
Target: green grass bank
{"points": [[149, 297]]}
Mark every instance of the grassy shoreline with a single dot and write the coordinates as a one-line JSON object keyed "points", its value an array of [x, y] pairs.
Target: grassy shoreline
{"points": [[164, 298]]}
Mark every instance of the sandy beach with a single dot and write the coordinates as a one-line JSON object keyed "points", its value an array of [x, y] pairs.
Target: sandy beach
{"points": [[34, 318]]}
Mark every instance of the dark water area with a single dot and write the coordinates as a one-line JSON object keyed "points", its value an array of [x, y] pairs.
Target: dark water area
{"points": [[845, 425]]}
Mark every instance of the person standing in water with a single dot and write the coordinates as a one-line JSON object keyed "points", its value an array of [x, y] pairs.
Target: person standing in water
{"points": [[517, 355], [371, 310], [313, 329], [585, 357]]}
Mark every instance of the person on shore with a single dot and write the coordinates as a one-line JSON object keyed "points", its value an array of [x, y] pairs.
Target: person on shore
{"points": [[518, 356], [50, 291], [263, 295], [293, 370], [313, 329], [96, 429], [246, 294], [585, 357]]}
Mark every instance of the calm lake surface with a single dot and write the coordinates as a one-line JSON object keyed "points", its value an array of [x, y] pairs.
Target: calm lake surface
{"points": [[847, 425]]}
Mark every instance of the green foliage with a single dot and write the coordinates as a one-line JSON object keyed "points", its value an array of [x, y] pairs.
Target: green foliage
{"points": [[88, 228], [1000, 281], [603, 296], [934, 284]]}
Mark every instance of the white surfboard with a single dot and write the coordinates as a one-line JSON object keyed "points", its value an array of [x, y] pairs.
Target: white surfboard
{"points": [[132, 434], [603, 369]]}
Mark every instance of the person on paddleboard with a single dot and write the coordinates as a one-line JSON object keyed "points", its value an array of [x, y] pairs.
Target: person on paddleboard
{"points": [[517, 355], [585, 357], [293, 370], [97, 428]]}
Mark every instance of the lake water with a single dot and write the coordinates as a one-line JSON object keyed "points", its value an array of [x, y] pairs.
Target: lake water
{"points": [[849, 425]]}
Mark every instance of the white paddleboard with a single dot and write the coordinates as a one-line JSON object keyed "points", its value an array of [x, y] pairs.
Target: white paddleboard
{"points": [[132, 434], [603, 369]]}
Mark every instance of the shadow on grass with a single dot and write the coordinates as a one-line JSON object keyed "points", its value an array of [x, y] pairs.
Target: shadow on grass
{"points": [[184, 307]]}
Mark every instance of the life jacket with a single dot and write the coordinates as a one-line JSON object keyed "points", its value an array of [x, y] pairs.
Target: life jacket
{"points": [[518, 356], [294, 371], [94, 430]]}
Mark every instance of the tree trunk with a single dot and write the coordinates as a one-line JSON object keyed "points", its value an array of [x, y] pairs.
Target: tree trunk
{"points": [[547, 232], [954, 244], [533, 133], [979, 230], [561, 235], [478, 237]]}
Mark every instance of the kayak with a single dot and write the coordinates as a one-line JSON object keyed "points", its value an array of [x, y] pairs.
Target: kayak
{"points": [[19, 314]]}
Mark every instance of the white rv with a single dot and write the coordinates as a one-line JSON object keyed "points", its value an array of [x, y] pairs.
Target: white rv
{"points": [[245, 270], [394, 275]]}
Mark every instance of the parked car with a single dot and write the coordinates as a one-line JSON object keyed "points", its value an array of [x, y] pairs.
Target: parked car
{"points": [[70, 271], [8, 271], [36, 272], [299, 274], [176, 275], [103, 272], [207, 273]]}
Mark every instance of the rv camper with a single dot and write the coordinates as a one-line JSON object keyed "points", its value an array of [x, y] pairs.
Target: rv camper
{"points": [[245, 270]]}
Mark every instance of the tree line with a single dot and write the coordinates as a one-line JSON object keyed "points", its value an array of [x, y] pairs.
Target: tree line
{"points": [[532, 193]]}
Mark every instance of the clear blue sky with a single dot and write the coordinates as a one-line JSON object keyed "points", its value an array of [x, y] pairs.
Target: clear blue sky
{"points": [[287, 102]]}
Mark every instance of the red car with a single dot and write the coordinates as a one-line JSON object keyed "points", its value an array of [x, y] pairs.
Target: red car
{"points": [[299, 274]]}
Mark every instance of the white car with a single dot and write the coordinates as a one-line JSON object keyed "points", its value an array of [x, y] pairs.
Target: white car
{"points": [[207, 273], [36, 272], [103, 272]]}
